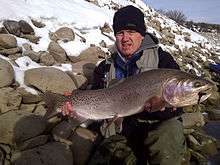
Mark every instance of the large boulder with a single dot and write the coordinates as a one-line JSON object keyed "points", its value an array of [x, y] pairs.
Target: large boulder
{"points": [[84, 67], [7, 41], [25, 27], [49, 79], [64, 34], [12, 27], [92, 54], [18, 126], [57, 52], [52, 153], [6, 73], [10, 99]]}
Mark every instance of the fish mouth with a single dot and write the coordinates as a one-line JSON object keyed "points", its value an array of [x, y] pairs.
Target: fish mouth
{"points": [[203, 95]]}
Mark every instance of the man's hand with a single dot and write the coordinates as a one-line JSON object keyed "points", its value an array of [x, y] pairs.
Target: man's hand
{"points": [[155, 103]]}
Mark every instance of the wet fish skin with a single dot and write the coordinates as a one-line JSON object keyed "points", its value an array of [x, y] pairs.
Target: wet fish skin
{"points": [[175, 87]]}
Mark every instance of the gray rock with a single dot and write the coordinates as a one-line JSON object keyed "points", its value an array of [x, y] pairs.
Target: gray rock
{"points": [[46, 58], [3, 30], [33, 142], [14, 57], [79, 79], [12, 27], [26, 46], [18, 126], [10, 51], [40, 110], [28, 97], [57, 52], [7, 41], [92, 54], [38, 23], [6, 148], [50, 79], [84, 67], [106, 28], [49, 154], [82, 145], [34, 56], [2, 156], [27, 107], [25, 27], [64, 34], [10, 99], [6, 73], [63, 130], [195, 119], [31, 38]]}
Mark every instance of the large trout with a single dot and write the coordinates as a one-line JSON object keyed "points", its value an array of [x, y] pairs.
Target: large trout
{"points": [[176, 88]]}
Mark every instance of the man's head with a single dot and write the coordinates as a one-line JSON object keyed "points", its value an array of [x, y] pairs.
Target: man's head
{"points": [[129, 29]]}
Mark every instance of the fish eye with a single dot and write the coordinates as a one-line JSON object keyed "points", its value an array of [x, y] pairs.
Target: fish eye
{"points": [[197, 84]]}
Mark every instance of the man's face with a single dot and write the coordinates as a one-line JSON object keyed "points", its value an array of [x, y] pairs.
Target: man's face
{"points": [[128, 42]]}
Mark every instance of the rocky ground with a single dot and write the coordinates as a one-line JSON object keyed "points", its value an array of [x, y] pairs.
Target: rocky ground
{"points": [[213, 38]]}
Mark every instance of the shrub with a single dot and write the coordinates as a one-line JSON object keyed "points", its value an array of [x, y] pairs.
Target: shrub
{"points": [[175, 15]]}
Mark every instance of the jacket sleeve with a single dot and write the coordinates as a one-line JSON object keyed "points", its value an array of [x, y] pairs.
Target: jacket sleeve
{"points": [[166, 60], [99, 76]]}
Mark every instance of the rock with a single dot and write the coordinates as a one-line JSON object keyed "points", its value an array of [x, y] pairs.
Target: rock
{"points": [[92, 54], [40, 110], [49, 79], [3, 30], [6, 148], [82, 145], [50, 153], [33, 142], [38, 23], [57, 52], [103, 44], [25, 27], [10, 99], [28, 97], [46, 58], [95, 2], [190, 120], [11, 51], [86, 68], [18, 126], [106, 28], [2, 156], [12, 27], [214, 114], [62, 132], [6, 73], [80, 80], [27, 107], [64, 34], [27, 46], [8, 41], [31, 38], [34, 56]]}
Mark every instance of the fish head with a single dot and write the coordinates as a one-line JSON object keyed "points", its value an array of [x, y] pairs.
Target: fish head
{"points": [[191, 90]]}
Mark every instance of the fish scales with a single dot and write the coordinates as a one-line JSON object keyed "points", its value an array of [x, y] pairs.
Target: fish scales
{"points": [[130, 96]]}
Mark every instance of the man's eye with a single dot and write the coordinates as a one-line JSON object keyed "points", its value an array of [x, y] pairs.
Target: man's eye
{"points": [[131, 31], [119, 33]]}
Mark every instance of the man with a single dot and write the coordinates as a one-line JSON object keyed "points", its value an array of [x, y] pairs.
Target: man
{"points": [[136, 51]]}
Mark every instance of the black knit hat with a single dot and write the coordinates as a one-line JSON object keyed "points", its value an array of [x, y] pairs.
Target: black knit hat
{"points": [[131, 18]]}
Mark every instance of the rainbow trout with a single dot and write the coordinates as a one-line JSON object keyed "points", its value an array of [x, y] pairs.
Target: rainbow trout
{"points": [[176, 88]]}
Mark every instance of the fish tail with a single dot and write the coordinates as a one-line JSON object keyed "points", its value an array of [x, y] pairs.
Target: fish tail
{"points": [[52, 102]]}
